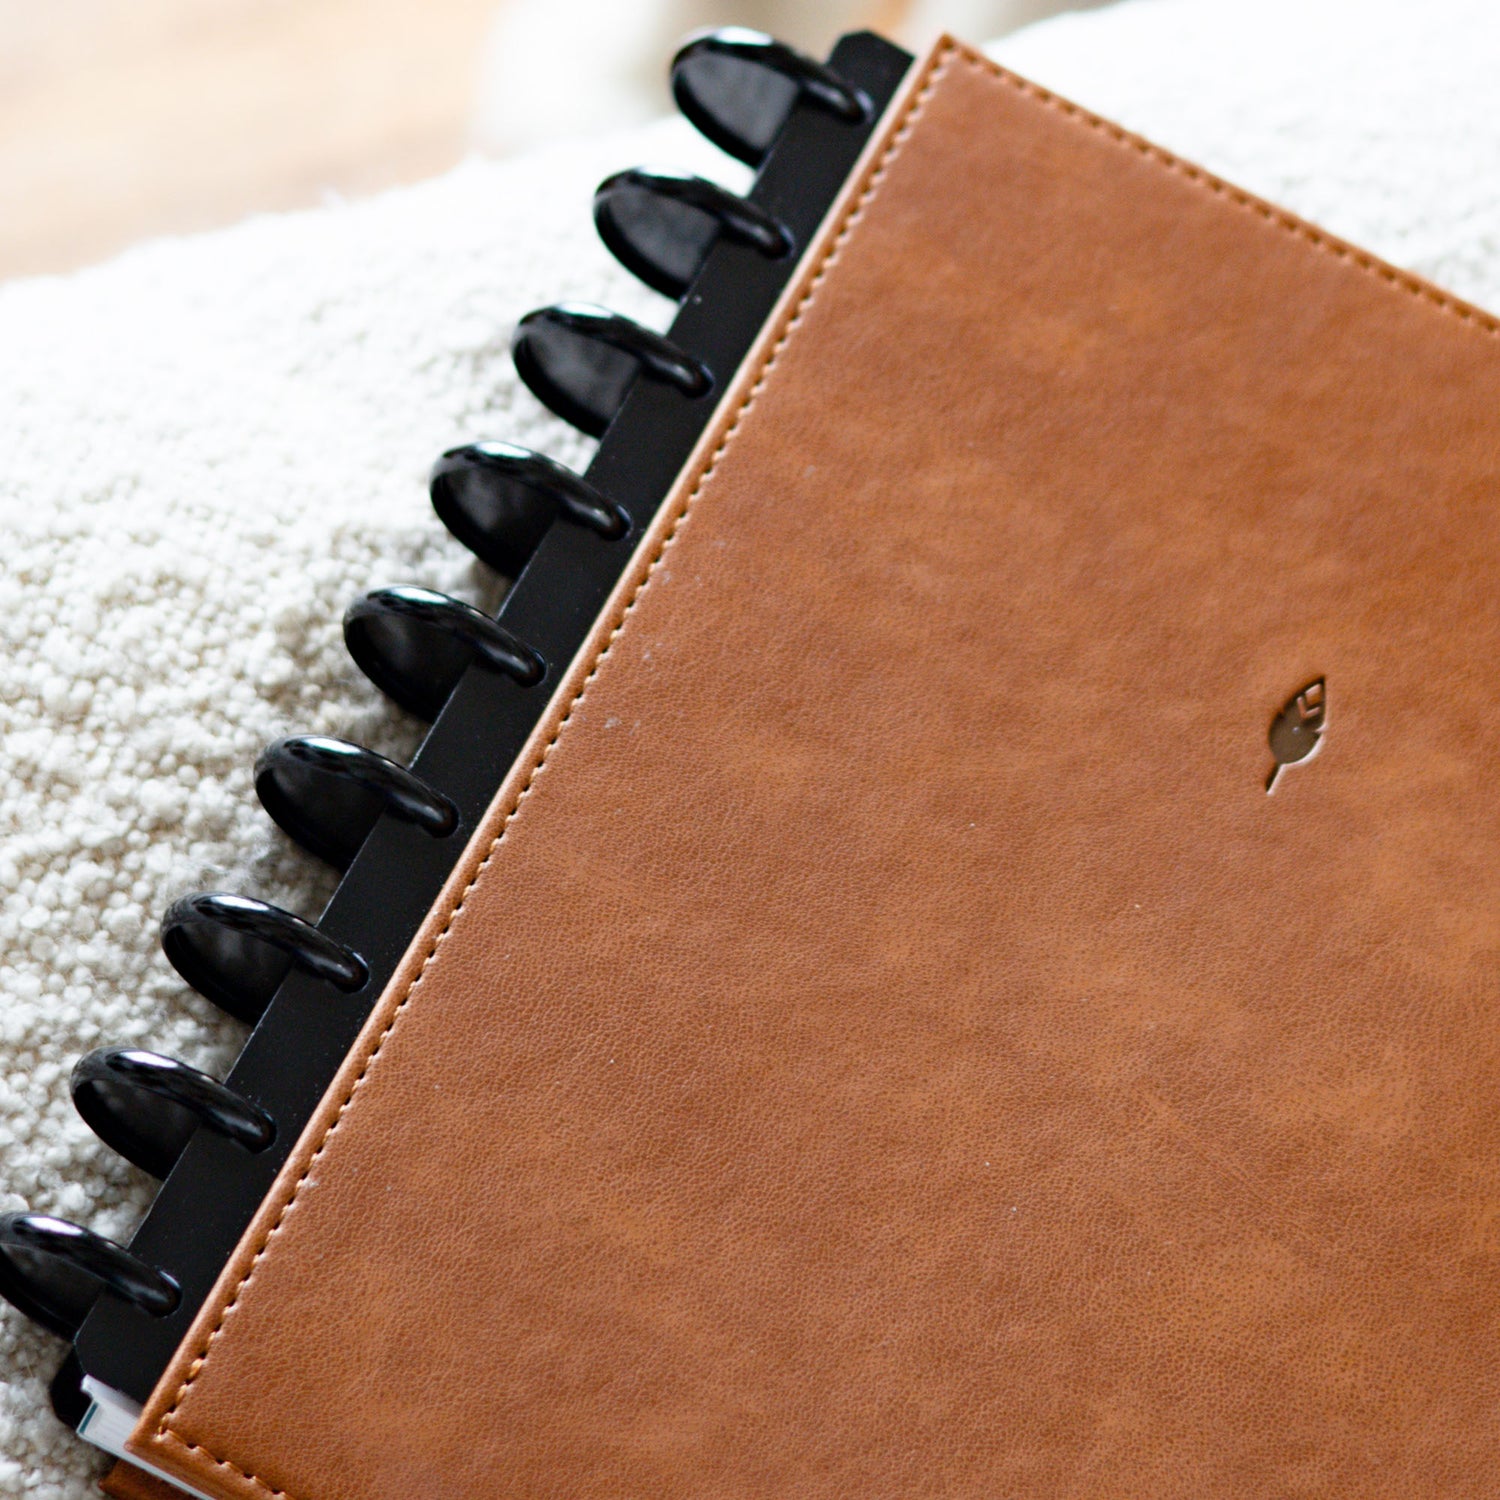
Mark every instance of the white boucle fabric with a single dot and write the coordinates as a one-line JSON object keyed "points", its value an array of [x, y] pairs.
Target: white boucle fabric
{"points": [[210, 446]]}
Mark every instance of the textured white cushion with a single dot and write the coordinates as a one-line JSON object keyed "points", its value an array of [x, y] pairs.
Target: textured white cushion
{"points": [[210, 446]]}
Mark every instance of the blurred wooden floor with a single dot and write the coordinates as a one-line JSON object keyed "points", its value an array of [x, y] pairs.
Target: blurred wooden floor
{"points": [[125, 119], [121, 119]]}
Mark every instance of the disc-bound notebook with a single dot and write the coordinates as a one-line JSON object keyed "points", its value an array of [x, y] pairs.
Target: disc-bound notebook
{"points": [[956, 912]]}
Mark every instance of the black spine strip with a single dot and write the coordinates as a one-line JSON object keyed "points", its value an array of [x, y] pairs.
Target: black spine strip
{"points": [[290, 1058]]}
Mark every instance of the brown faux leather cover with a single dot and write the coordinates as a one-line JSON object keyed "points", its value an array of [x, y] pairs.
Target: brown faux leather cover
{"points": [[885, 1041], [126, 1482]]}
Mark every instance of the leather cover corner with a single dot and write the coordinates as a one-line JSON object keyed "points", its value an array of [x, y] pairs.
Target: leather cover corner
{"points": [[126, 1482]]}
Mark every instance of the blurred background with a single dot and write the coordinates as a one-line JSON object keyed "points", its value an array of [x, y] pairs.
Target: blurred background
{"points": [[123, 121]]}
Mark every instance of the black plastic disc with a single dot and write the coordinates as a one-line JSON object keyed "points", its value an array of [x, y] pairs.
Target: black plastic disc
{"points": [[414, 644], [738, 86], [52, 1271], [236, 950], [499, 501], [660, 225], [580, 361], [146, 1107], [328, 794], [70, 1402]]}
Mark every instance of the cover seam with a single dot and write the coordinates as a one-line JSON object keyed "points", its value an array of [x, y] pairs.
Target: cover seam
{"points": [[877, 171], [1298, 228]]}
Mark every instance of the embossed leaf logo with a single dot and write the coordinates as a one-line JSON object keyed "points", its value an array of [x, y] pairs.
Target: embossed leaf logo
{"points": [[1298, 729]]}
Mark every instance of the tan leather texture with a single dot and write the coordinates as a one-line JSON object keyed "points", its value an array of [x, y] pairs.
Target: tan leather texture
{"points": [[126, 1482], [886, 1042]]}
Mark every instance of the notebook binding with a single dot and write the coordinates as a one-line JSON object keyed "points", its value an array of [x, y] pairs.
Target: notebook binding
{"points": [[394, 831]]}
